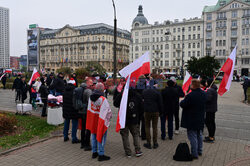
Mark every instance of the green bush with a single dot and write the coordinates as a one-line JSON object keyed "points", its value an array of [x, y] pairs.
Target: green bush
{"points": [[7, 124]]}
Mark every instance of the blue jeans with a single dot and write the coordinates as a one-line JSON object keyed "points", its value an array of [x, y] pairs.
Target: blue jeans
{"points": [[74, 128], [170, 126], [52, 92], [101, 145], [58, 93], [195, 138], [163, 126]]}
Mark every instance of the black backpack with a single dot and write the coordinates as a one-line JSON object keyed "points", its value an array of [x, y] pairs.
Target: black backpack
{"points": [[182, 153], [78, 100]]}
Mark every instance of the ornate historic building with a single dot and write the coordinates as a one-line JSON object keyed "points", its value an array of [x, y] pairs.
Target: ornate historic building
{"points": [[76, 46], [227, 24]]}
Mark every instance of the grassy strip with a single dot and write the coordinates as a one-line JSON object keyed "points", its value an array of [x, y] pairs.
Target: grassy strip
{"points": [[32, 127]]}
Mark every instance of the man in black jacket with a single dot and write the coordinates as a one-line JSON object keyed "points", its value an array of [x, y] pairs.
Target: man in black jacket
{"points": [[134, 112], [245, 86], [49, 81], [211, 108], [17, 86], [69, 113], [193, 117], [152, 110], [171, 101], [4, 78], [176, 112], [58, 85], [43, 90]]}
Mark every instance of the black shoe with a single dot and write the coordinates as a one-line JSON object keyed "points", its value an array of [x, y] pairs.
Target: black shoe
{"points": [[156, 145], [45, 115], [103, 158], [200, 154], [147, 145], [138, 153], [209, 140], [66, 139], [76, 141], [82, 147], [87, 148], [163, 138], [94, 155], [170, 138], [195, 158], [143, 138]]}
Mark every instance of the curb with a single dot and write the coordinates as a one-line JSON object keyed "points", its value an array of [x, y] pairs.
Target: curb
{"points": [[28, 145]]}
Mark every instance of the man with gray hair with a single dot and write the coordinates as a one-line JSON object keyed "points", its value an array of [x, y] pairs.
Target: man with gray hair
{"points": [[176, 112]]}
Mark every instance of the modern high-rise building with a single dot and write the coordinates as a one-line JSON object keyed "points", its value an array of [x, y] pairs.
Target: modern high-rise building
{"points": [[170, 44], [4, 38], [227, 24]]}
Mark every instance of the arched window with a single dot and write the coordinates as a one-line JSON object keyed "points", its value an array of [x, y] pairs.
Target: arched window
{"points": [[136, 48]]}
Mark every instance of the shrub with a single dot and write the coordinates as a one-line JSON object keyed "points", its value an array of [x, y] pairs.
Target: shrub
{"points": [[7, 124]]}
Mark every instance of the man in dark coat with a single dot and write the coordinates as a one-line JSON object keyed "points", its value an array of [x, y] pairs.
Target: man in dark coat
{"points": [[58, 85], [176, 112], [211, 108], [17, 86], [153, 108], [43, 90], [245, 86], [23, 89], [49, 81], [69, 113], [170, 99], [4, 78], [193, 117], [134, 112]]}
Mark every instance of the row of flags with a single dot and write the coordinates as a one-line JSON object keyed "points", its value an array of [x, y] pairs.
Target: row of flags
{"points": [[142, 66], [227, 68]]}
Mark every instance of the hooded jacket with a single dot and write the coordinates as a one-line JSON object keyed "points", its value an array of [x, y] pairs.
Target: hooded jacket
{"points": [[58, 84], [212, 98], [68, 110]]}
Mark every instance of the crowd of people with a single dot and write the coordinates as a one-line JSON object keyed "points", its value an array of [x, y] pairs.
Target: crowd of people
{"points": [[86, 107]]}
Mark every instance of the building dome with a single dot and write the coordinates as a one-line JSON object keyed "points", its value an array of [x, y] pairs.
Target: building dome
{"points": [[140, 19]]}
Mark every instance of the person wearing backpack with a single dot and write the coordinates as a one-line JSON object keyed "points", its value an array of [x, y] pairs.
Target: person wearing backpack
{"points": [[193, 117], [85, 134]]}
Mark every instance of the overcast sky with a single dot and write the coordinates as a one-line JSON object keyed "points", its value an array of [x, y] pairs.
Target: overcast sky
{"points": [[57, 13]]}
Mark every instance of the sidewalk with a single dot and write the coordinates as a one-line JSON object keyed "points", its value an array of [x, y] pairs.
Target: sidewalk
{"points": [[56, 152], [232, 146]]}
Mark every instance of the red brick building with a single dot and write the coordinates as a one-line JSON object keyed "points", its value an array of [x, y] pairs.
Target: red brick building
{"points": [[14, 62]]}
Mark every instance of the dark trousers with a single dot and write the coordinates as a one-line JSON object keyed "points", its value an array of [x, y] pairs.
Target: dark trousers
{"points": [[245, 94], [4, 83], [142, 122], [151, 117], [45, 101], [18, 94], [85, 134], [210, 123], [163, 126], [74, 128], [134, 130], [177, 119]]}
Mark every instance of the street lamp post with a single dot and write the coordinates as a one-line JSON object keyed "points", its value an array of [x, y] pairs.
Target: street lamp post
{"points": [[115, 36], [182, 56]]}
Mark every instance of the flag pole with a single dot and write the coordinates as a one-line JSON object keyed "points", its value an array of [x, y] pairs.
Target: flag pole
{"points": [[215, 79]]}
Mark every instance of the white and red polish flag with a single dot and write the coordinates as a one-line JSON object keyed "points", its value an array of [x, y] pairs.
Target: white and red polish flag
{"points": [[34, 76], [187, 81], [132, 71], [228, 69], [8, 71]]}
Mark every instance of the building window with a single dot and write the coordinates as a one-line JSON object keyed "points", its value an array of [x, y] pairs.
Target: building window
{"points": [[234, 13], [209, 26], [194, 28], [166, 63], [193, 45], [199, 28], [189, 29], [209, 16], [234, 23]]}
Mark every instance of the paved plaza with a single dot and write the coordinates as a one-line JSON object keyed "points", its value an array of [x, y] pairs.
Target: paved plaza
{"points": [[232, 146]]}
